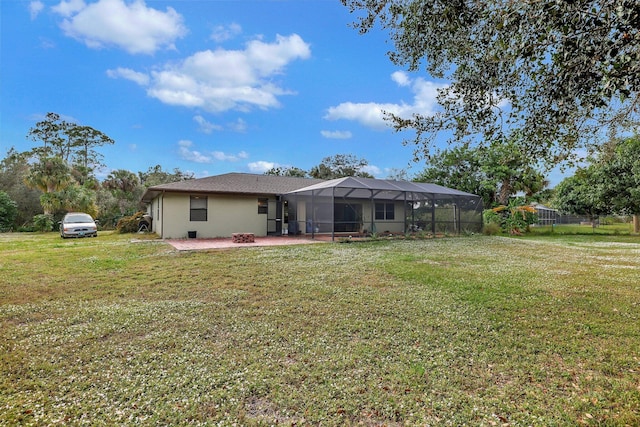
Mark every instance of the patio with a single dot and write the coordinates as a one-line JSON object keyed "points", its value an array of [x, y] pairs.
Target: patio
{"points": [[227, 242]]}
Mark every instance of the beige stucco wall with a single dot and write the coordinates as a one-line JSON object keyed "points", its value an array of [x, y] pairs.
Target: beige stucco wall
{"points": [[225, 215]]}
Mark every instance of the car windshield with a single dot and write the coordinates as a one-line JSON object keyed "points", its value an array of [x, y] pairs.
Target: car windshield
{"points": [[78, 218]]}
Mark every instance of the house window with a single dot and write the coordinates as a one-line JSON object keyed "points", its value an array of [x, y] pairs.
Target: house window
{"points": [[263, 205], [198, 208], [385, 211]]}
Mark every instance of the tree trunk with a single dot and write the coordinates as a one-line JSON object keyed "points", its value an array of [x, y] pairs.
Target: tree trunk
{"points": [[636, 224]]}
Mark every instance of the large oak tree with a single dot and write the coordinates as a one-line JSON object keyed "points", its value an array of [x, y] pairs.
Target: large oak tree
{"points": [[559, 71]]}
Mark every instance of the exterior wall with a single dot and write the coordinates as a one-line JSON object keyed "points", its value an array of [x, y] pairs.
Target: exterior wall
{"points": [[155, 211], [225, 215], [397, 225]]}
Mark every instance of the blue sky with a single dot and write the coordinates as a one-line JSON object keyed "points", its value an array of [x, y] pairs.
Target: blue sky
{"points": [[208, 86]]}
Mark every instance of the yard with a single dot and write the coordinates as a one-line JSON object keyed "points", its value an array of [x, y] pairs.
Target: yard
{"points": [[495, 331]]}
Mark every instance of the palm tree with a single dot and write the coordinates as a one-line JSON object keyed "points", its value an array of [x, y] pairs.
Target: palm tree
{"points": [[49, 175]]}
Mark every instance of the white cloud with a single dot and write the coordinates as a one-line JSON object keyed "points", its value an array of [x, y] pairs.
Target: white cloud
{"points": [[133, 26], [373, 170], [336, 134], [206, 126], [188, 153], [219, 155], [238, 126], [220, 80], [401, 78], [261, 166], [371, 114], [129, 74], [184, 148], [223, 33], [35, 7], [68, 8]]}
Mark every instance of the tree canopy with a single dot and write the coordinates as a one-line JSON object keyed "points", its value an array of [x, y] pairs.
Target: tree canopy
{"points": [[560, 71], [493, 172], [610, 184], [340, 166]]}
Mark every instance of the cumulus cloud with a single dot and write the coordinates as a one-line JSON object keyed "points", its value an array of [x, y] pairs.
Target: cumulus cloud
{"points": [[372, 114], [223, 33], [336, 134], [126, 73], [35, 7], [68, 8], [221, 80], [184, 148], [133, 26], [261, 166]]}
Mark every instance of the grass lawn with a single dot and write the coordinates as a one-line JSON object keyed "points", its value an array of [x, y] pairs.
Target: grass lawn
{"points": [[494, 331]]}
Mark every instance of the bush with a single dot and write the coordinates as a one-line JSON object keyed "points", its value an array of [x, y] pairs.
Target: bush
{"points": [[43, 222], [491, 228], [129, 224], [8, 212], [490, 216]]}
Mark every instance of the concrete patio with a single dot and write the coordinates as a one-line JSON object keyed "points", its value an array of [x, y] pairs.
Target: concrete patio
{"points": [[226, 242]]}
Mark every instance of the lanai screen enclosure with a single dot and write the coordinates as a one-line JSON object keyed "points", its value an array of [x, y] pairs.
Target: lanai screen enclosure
{"points": [[362, 206]]}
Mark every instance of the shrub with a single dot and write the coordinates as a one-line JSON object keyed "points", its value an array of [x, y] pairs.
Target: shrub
{"points": [[43, 222], [8, 212], [491, 228], [129, 224]]}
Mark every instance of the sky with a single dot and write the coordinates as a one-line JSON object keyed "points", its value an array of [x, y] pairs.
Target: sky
{"points": [[208, 86]]}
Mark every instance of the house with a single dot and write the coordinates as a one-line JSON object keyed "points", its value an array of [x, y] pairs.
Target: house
{"points": [[221, 205]]}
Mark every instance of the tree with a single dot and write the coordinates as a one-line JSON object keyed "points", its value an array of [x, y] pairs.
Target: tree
{"points": [[156, 176], [14, 169], [8, 212], [460, 168], [83, 140], [340, 166], [581, 194], [52, 133], [617, 173], [49, 175], [288, 171], [125, 188], [494, 172], [558, 70], [64, 163]]}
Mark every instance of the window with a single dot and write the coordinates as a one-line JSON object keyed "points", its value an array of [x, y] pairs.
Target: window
{"points": [[263, 205], [385, 211], [198, 208]]}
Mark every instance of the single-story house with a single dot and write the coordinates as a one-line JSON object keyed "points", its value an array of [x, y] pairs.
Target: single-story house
{"points": [[221, 205]]}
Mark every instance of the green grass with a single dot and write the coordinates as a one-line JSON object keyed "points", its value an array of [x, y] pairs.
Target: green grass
{"points": [[608, 229], [540, 330]]}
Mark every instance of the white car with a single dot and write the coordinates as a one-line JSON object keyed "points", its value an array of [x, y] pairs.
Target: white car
{"points": [[78, 224]]}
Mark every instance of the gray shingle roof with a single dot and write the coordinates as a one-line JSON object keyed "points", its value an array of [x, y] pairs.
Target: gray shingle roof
{"points": [[237, 183], [245, 183]]}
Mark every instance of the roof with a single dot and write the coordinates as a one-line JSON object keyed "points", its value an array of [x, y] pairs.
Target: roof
{"points": [[382, 185], [246, 183], [233, 183]]}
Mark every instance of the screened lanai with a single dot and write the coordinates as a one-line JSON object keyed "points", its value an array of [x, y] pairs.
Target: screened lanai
{"points": [[366, 206]]}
